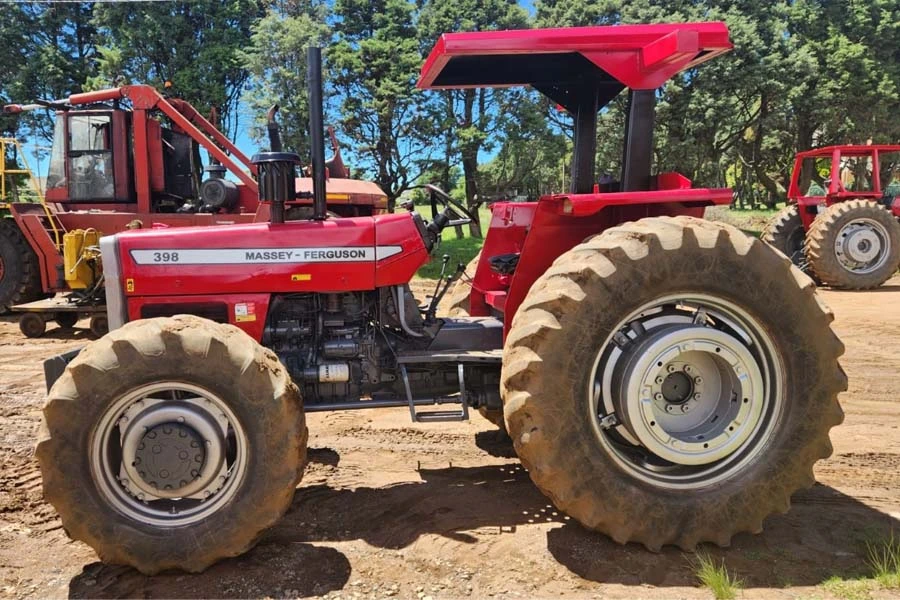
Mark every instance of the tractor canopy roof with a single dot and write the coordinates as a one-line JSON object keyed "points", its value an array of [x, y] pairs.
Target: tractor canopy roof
{"points": [[562, 63], [848, 150]]}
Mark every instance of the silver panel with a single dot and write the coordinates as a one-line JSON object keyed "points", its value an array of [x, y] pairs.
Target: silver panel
{"points": [[116, 310]]}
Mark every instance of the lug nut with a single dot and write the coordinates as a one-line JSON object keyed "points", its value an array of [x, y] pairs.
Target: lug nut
{"points": [[668, 408], [688, 369], [670, 369], [698, 380], [685, 408], [659, 380], [696, 395], [658, 396]]}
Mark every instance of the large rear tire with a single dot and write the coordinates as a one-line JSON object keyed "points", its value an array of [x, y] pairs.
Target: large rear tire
{"points": [[672, 381], [172, 443], [20, 278], [854, 245]]}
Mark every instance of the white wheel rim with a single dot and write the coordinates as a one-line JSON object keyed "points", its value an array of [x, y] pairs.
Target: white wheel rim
{"points": [[168, 454], [862, 246], [686, 391]]}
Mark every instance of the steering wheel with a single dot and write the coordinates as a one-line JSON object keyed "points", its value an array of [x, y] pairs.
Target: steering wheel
{"points": [[452, 208]]}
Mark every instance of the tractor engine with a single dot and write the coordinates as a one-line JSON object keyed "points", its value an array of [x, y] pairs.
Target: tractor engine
{"points": [[341, 348]]}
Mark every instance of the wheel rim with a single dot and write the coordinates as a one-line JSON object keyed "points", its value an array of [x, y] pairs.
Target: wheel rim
{"points": [[168, 454], [686, 391], [862, 246]]}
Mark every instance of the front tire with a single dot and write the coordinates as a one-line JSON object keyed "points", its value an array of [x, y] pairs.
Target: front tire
{"points": [[172, 443], [636, 324], [854, 245]]}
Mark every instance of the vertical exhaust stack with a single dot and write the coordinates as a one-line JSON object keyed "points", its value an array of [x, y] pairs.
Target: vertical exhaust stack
{"points": [[316, 131]]}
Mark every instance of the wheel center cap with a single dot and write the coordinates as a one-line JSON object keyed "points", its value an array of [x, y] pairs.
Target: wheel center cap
{"points": [[169, 456], [677, 388]]}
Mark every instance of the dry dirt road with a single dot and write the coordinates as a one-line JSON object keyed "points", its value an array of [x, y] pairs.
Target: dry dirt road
{"points": [[391, 509]]}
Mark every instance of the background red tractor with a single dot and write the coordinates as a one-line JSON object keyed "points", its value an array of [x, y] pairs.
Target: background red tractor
{"points": [[841, 221], [130, 157], [664, 379]]}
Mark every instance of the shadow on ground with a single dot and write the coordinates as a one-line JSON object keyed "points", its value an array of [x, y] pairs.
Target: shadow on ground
{"points": [[824, 535]]}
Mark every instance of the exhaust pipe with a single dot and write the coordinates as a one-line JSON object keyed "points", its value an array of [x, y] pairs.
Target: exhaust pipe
{"points": [[276, 171], [272, 128], [316, 131]]}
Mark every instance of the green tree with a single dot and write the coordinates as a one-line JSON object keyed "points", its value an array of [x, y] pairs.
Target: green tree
{"points": [[193, 44], [373, 67], [276, 60], [471, 118]]}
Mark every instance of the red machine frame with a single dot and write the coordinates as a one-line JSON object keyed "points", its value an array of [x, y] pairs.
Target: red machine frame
{"points": [[42, 225]]}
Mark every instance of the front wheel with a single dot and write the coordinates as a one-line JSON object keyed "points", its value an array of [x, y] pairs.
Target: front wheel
{"points": [[672, 381], [172, 443]]}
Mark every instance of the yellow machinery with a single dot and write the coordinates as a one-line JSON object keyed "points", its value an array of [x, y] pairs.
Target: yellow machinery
{"points": [[81, 258]]}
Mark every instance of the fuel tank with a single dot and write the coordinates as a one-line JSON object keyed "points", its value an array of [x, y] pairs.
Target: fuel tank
{"points": [[334, 255]]}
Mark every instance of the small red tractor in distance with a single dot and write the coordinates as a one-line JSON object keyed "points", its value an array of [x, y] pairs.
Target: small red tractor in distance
{"points": [[130, 157], [664, 379], [841, 221]]}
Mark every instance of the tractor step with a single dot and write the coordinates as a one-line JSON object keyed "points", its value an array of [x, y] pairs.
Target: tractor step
{"points": [[434, 416]]}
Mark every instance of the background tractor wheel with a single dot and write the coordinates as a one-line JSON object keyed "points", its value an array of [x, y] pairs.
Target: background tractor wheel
{"points": [[20, 279], [785, 233], [99, 326], [672, 381], [66, 320], [854, 245], [32, 325], [172, 443], [459, 307]]}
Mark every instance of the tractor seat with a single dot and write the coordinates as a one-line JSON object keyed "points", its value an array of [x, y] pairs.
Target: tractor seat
{"points": [[504, 264]]}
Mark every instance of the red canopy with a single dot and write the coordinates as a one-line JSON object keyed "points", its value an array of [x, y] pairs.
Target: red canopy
{"points": [[558, 61]]}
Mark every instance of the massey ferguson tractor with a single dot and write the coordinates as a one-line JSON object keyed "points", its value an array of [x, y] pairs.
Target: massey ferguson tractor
{"points": [[841, 221], [129, 157], [664, 379]]}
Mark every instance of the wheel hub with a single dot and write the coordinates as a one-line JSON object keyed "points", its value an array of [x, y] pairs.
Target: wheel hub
{"points": [[169, 456], [684, 392], [862, 246]]}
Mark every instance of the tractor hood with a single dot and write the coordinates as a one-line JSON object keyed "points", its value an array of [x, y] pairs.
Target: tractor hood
{"points": [[298, 256]]}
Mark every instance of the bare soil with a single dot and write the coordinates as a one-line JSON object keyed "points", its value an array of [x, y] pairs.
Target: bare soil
{"points": [[392, 509]]}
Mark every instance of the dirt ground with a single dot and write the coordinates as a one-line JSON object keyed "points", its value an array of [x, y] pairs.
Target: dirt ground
{"points": [[392, 509]]}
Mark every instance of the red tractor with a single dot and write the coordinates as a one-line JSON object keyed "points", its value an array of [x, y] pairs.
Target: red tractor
{"points": [[664, 379], [841, 221], [114, 166]]}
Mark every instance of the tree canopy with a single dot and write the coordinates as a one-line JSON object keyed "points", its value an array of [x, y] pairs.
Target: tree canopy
{"points": [[803, 73]]}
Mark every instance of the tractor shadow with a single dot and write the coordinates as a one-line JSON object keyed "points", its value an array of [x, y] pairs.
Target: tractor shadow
{"points": [[824, 535]]}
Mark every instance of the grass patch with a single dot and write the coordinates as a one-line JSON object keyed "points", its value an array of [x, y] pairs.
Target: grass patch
{"points": [[716, 578], [884, 560], [460, 250], [849, 589]]}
